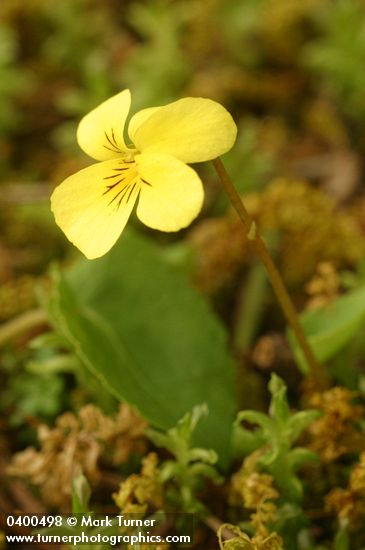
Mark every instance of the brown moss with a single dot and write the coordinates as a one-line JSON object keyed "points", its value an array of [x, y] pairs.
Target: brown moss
{"points": [[324, 287], [241, 541], [311, 226], [78, 442], [336, 433], [220, 249], [139, 491], [349, 503], [255, 491], [16, 296]]}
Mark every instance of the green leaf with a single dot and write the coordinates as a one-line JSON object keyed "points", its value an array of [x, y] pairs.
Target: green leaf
{"points": [[186, 425], [245, 442], [256, 417], [342, 539], [299, 421], [299, 456], [330, 328], [205, 470], [203, 455], [149, 337], [159, 439], [81, 494], [279, 407]]}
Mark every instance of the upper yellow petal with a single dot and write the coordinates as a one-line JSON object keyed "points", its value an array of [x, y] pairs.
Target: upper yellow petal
{"points": [[92, 206], [191, 129], [171, 192], [138, 119], [100, 132]]}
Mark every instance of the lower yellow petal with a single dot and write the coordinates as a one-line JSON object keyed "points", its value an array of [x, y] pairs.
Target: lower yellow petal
{"points": [[92, 206], [171, 192]]}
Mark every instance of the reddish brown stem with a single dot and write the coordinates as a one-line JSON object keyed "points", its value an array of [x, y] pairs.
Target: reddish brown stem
{"points": [[316, 370]]}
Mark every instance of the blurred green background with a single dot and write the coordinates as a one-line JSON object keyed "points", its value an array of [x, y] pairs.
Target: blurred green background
{"points": [[291, 73]]}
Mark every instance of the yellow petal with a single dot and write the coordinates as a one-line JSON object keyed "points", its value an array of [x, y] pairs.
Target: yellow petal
{"points": [[190, 129], [100, 132], [138, 119], [171, 192], [92, 207]]}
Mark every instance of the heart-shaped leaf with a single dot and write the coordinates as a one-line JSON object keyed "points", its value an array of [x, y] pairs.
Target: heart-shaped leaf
{"points": [[149, 336]]}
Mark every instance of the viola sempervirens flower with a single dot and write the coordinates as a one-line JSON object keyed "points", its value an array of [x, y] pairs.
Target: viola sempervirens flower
{"points": [[92, 206]]}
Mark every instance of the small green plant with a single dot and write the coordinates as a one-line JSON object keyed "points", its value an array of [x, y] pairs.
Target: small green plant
{"points": [[190, 464], [276, 435]]}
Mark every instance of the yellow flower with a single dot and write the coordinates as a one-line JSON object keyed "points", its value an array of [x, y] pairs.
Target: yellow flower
{"points": [[92, 206]]}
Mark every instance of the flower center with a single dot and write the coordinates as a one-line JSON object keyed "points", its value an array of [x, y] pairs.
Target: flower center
{"points": [[123, 185], [112, 145]]}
